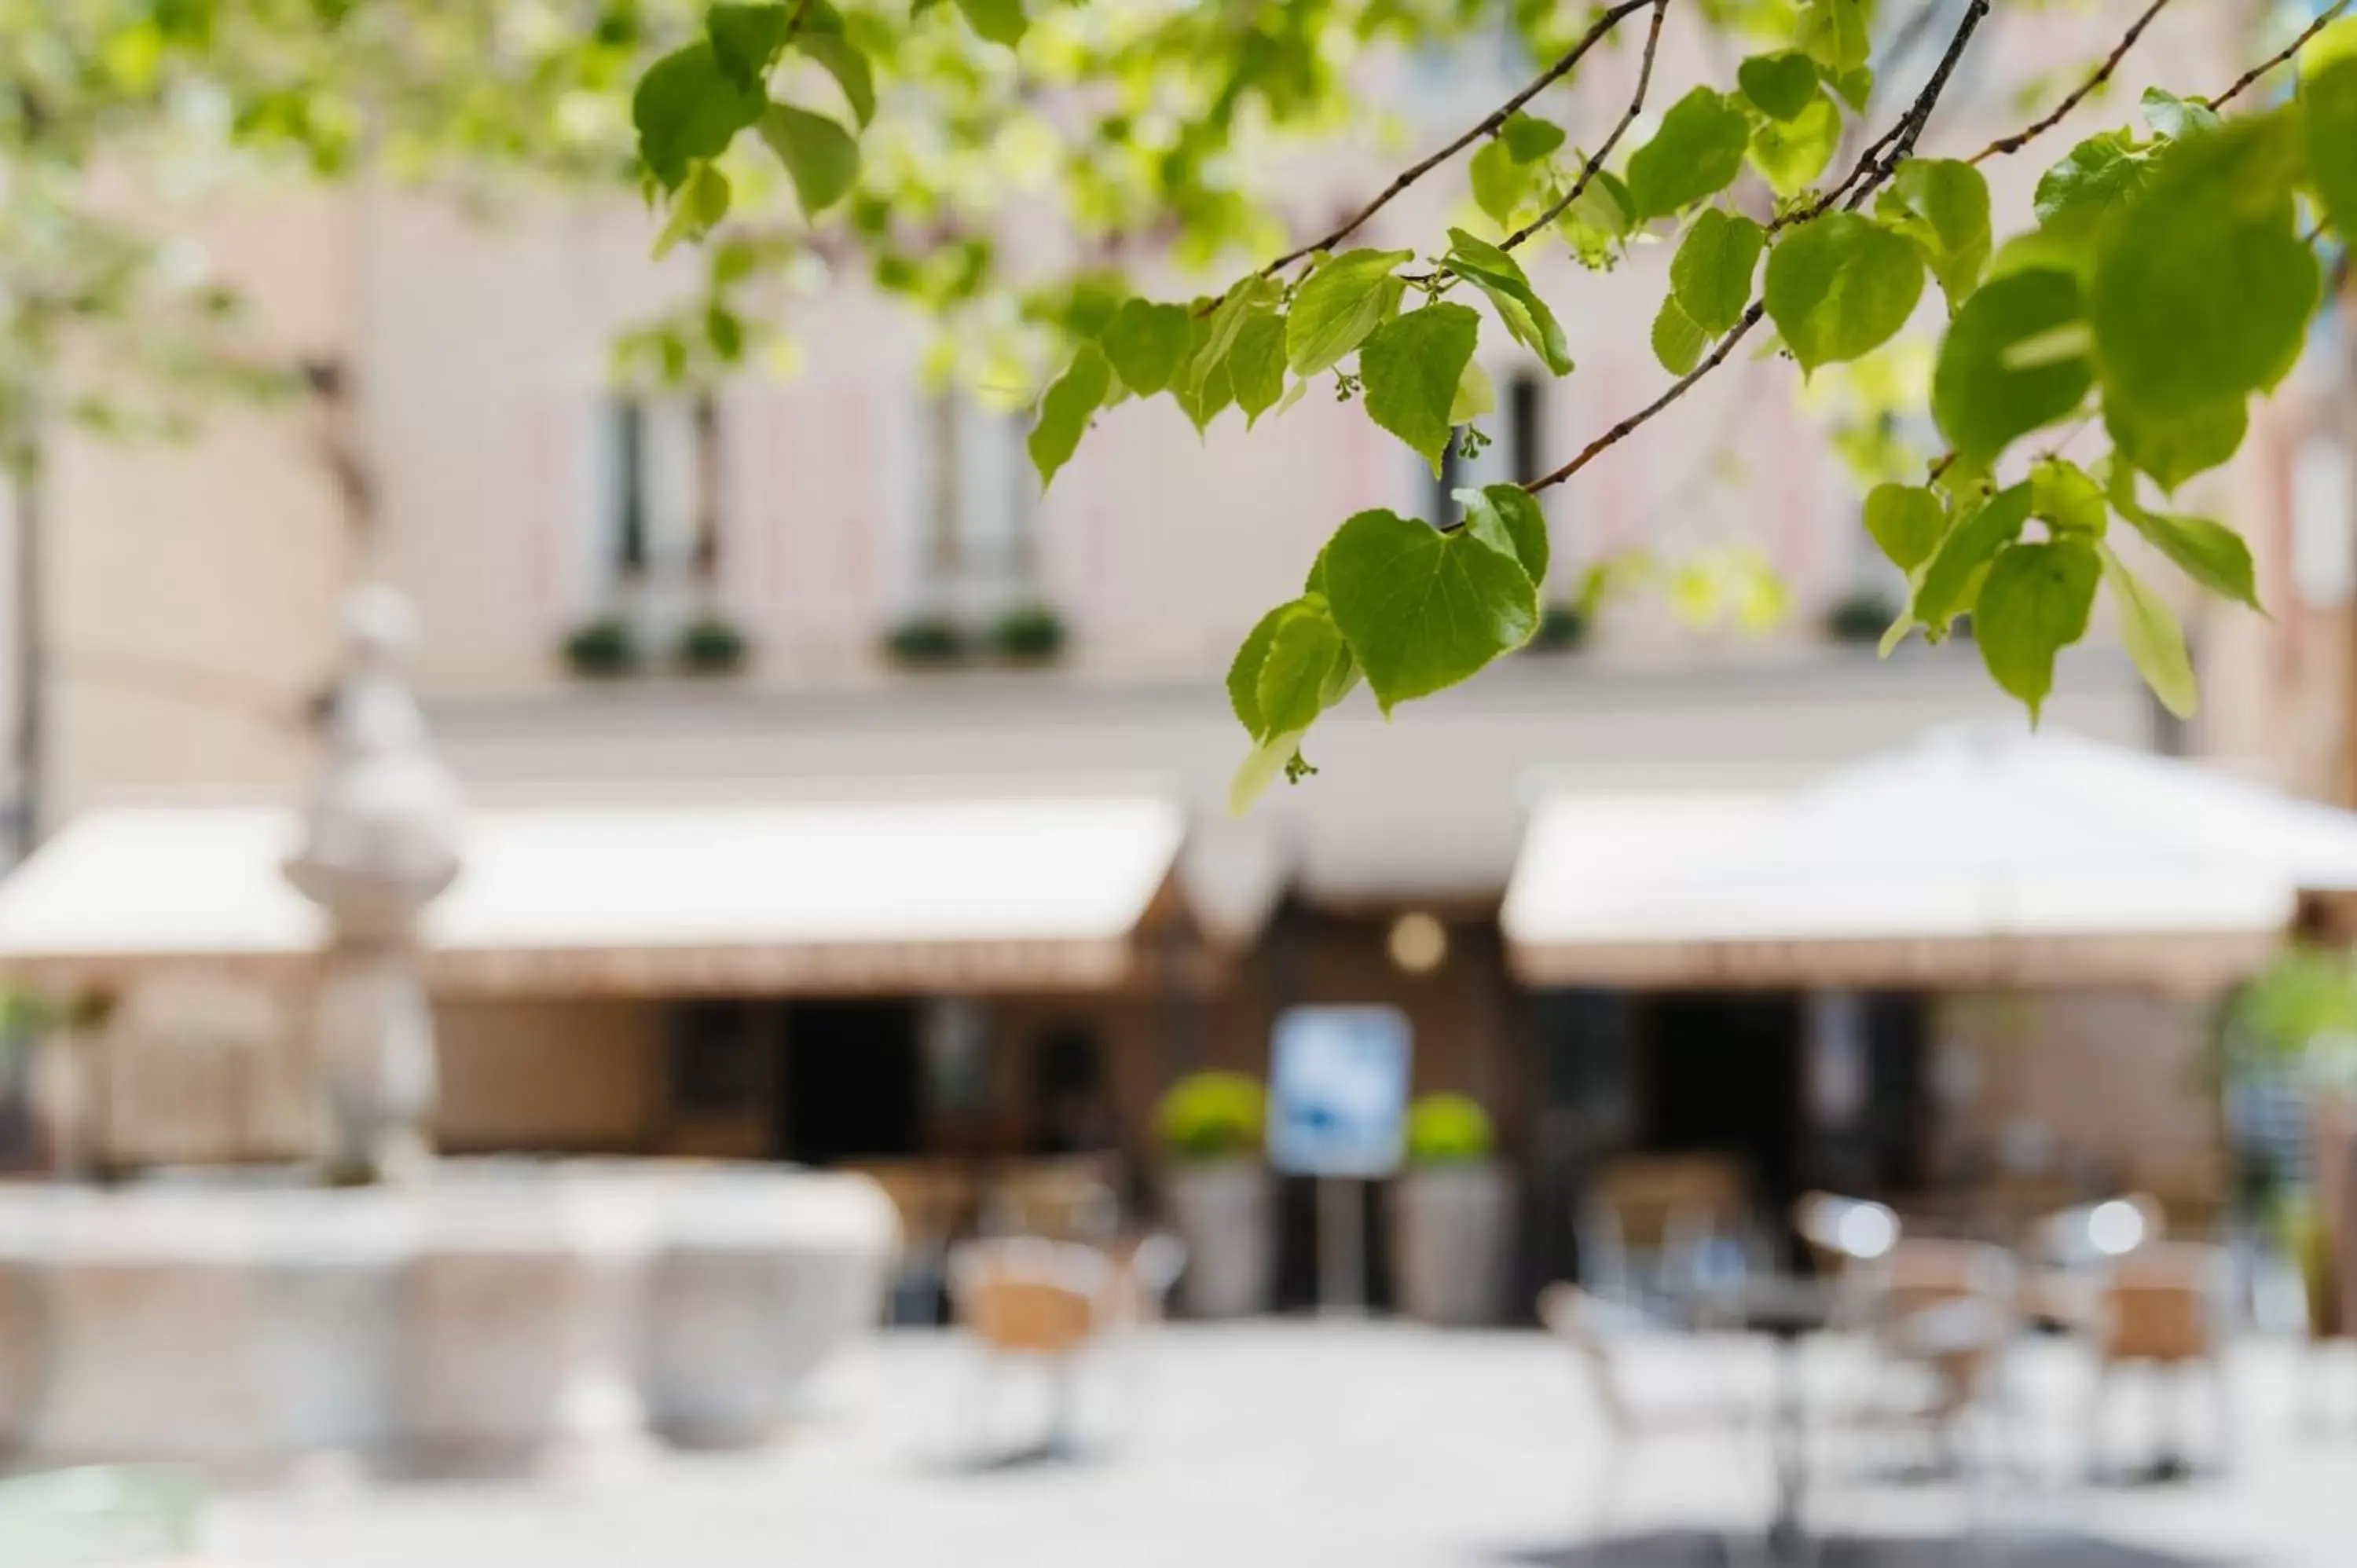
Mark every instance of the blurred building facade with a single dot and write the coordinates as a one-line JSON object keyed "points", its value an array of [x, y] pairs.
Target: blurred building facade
{"points": [[468, 442]]}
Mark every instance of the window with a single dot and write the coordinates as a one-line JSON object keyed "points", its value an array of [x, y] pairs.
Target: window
{"points": [[662, 521], [979, 514], [1515, 455]]}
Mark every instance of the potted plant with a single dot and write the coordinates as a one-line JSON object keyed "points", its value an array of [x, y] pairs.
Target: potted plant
{"points": [[602, 648], [712, 645], [1451, 1215], [927, 642], [1563, 629], [1032, 634], [1860, 618], [1210, 1126]]}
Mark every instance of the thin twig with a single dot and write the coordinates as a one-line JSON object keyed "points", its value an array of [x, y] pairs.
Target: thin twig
{"points": [[1677, 390], [2324, 20], [2006, 145], [1595, 160], [1601, 30], [1874, 167]]}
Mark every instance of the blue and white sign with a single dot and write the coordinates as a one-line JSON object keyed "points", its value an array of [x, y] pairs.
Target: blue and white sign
{"points": [[1338, 1092]]}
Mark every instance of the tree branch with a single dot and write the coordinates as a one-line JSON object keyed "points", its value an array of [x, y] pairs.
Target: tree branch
{"points": [[1596, 161], [1873, 168], [2007, 145], [2324, 20], [1564, 65]]}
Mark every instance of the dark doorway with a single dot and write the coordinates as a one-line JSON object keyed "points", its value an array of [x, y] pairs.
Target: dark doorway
{"points": [[1722, 1076], [852, 1084]]}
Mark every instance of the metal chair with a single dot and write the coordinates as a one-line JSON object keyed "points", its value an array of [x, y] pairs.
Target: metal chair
{"points": [[2162, 1307], [1046, 1301], [1633, 1423]]}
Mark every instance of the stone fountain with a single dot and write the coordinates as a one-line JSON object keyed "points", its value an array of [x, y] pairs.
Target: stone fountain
{"points": [[412, 1314]]}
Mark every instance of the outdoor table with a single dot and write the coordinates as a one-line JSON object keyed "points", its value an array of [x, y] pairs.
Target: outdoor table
{"points": [[1786, 1309]]}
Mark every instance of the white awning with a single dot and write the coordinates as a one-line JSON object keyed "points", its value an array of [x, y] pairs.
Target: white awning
{"points": [[1979, 855], [1005, 894]]}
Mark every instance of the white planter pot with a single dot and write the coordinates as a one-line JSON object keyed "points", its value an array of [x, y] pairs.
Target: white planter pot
{"points": [[1452, 1229], [761, 1277], [1225, 1214]]}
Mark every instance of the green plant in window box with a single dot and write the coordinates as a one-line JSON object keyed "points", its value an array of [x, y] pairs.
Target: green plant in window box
{"points": [[1448, 1130], [1208, 1117], [927, 642], [1563, 629], [1861, 616], [1032, 634], [602, 648], [712, 645]]}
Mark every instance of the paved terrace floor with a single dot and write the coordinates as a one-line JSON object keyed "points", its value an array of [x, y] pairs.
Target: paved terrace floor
{"points": [[1355, 1445]]}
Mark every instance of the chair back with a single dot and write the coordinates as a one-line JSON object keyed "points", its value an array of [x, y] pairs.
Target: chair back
{"points": [[1065, 1200], [1030, 1296], [2160, 1304], [1656, 1225], [1920, 1274]]}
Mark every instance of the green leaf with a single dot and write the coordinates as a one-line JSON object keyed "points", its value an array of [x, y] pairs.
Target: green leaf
{"points": [[2175, 117], [746, 40], [1244, 673], [1411, 367], [1202, 401], [1524, 314], [1147, 343], [1981, 395], [1943, 205], [1790, 156], [1422, 609], [1527, 140], [818, 154], [1907, 522], [1305, 650], [1256, 365], [2329, 120], [1277, 754], [1854, 87], [2034, 605], [1838, 34], [2202, 289], [2101, 176], [1507, 518], [1779, 85], [2210, 554], [2067, 497], [1500, 180], [2149, 631], [1678, 340], [1697, 153], [1954, 572], [2173, 449], [685, 108], [1477, 395], [1250, 296], [845, 61], [1065, 411], [996, 21], [701, 203], [1711, 274], [1344, 300], [1840, 286]]}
